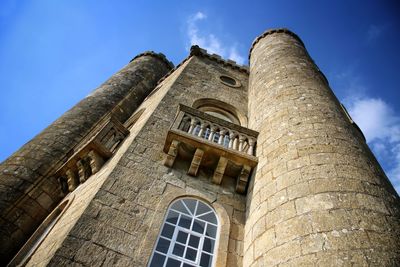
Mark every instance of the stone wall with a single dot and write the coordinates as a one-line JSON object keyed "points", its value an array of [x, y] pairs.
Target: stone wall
{"points": [[319, 197], [28, 192], [121, 221]]}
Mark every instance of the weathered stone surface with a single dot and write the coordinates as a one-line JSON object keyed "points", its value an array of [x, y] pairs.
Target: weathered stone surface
{"points": [[37, 159], [316, 198], [323, 186]]}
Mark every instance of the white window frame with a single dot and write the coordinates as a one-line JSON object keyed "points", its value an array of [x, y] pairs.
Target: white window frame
{"points": [[178, 228]]}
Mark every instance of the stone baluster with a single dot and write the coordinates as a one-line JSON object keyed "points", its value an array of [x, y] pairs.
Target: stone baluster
{"points": [[241, 142], [203, 125], [252, 142], [72, 180], [184, 122], [221, 137], [232, 136], [235, 142], [95, 161], [212, 132], [193, 122]]}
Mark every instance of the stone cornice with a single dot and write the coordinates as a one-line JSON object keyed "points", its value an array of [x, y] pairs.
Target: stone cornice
{"points": [[160, 56], [272, 31]]}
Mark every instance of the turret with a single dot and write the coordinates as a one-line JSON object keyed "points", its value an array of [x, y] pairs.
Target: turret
{"points": [[29, 191], [318, 194]]}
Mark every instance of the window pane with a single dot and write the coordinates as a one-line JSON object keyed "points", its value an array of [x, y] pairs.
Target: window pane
{"points": [[178, 250], [182, 237], [191, 254], [188, 236], [209, 217], [172, 217], [202, 208], [158, 260], [194, 241], [208, 245], [163, 245], [173, 263], [185, 221], [191, 204], [205, 260], [168, 231], [198, 226], [179, 207], [211, 230]]}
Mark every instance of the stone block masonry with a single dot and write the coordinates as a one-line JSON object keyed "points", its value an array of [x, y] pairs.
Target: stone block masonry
{"points": [[309, 193], [319, 197], [28, 192]]}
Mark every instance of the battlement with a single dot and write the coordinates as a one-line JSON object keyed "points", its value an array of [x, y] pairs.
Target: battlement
{"points": [[156, 55], [272, 31], [195, 50]]}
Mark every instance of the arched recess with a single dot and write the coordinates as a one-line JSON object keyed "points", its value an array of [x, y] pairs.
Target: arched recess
{"points": [[33, 243], [210, 105], [171, 195]]}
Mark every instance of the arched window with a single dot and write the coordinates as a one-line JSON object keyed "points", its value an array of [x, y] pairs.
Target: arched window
{"points": [[220, 110], [188, 236]]}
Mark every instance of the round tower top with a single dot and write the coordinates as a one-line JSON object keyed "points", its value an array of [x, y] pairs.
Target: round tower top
{"points": [[160, 56], [271, 31]]}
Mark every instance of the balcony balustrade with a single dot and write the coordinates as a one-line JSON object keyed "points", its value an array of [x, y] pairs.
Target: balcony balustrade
{"points": [[91, 153], [216, 143]]}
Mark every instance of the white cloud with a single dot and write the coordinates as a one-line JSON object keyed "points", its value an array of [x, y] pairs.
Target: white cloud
{"points": [[381, 127], [376, 118], [209, 41]]}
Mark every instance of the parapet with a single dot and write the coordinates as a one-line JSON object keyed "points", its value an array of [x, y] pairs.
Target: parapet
{"points": [[195, 50], [272, 31], [156, 55]]}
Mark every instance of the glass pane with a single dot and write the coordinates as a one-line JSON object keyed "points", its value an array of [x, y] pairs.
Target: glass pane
{"points": [[191, 204], [207, 133], [172, 217], [208, 245], [178, 250], [163, 245], [205, 260], [185, 221], [202, 208], [179, 207], [158, 260], [173, 263], [194, 241], [168, 231], [191, 254], [198, 226], [187, 265], [216, 137], [209, 217], [182, 237], [211, 230]]}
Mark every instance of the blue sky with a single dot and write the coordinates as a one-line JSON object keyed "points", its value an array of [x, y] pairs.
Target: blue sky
{"points": [[53, 53]]}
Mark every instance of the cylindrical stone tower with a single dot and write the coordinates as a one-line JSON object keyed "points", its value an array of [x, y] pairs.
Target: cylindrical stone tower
{"points": [[28, 192], [318, 197]]}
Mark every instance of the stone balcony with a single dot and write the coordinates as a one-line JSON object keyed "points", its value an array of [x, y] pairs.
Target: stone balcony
{"points": [[91, 153], [226, 148]]}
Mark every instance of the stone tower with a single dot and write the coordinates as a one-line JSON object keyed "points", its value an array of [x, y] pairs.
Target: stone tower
{"points": [[205, 164]]}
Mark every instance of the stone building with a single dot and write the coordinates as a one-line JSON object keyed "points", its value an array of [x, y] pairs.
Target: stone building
{"points": [[204, 164]]}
